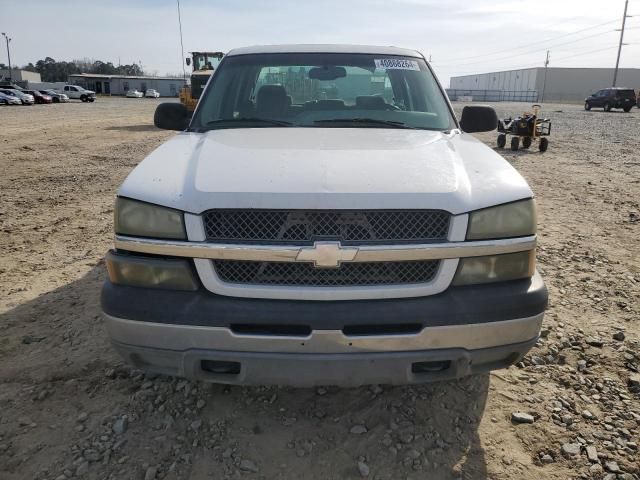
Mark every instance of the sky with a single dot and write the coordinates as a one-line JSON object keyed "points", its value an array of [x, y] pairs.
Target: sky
{"points": [[461, 37]]}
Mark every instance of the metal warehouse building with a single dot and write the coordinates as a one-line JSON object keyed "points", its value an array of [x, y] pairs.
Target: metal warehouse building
{"points": [[121, 84], [18, 76], [529, 84]]}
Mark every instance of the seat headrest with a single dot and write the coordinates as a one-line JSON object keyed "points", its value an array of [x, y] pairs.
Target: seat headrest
{"points": [[371, 102], [271, 99]]}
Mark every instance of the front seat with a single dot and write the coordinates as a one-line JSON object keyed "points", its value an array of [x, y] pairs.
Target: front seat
{"points": [[271, 101], [371, 102]]}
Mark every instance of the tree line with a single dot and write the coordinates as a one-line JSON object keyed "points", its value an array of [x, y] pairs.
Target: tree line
{"points": [[51, 70]]}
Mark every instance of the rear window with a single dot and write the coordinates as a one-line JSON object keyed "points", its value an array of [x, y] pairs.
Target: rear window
{"points": [[627, 93]]}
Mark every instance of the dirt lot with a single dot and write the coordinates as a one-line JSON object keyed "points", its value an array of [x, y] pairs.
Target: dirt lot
{"points": [[69, 408]]}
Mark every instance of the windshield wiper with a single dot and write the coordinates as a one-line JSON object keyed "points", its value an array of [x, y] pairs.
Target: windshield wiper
{"points": [[371, 121], [234, 122]]}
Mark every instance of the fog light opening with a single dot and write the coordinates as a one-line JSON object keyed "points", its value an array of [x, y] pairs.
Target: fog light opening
{"points": [[218, 367], [430, 367]]}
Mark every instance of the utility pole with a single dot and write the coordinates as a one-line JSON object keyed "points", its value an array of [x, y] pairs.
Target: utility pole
{"points": [[544, 81], [624, 20], [184, 73], [7, 39]]}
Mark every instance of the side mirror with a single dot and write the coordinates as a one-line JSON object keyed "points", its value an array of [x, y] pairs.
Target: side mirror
{"points": [[478, 118], [188, 60], [171, 116]]}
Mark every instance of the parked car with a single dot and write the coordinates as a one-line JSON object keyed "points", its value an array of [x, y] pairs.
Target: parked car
{"points": [[25, 98], [10, 86], [286, 238], [39, 97], [9, 99], [55, 96], [151, 93], [608, 98], [79, 93], [134, 94]]}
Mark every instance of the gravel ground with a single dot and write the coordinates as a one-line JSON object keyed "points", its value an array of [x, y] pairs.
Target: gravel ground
{"points": [[69, 408]]}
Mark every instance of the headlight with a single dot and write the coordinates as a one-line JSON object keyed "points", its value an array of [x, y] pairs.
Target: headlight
{"points": [[145, 220], [495, 268], [172, 274], [517, 219]]}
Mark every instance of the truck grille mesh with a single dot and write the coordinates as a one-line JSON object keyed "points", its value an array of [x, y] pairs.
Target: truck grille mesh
{"points": [[306, 274], [302, 227]]}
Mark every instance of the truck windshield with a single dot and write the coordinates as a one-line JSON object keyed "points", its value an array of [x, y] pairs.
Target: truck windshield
{"points": [[323, 90]]}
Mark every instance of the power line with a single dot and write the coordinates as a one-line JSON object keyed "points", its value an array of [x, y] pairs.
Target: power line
{"points": [[537, 50], [519, 67], [587, 53], [525, 45]]}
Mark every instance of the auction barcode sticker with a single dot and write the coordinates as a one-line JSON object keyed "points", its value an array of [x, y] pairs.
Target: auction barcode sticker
{"points": [[396, 64]]}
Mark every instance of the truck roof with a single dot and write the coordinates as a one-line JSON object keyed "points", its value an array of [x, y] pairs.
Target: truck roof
{"points": [[320, 48]]}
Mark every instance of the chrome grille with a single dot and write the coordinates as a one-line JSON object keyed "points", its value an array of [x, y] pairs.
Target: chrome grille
{"points": [[305, 274], [303, 227]]}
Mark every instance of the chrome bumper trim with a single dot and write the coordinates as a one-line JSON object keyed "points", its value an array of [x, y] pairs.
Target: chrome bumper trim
{"points": [[186, 337], [284, 253]]}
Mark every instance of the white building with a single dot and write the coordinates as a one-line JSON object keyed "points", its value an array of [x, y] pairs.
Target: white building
{"points": [[121, 84], [18, 75], [529, 84]]}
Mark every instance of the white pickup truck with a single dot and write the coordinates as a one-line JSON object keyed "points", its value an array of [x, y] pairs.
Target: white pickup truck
{"points": [[324, 218], [78, 93]]}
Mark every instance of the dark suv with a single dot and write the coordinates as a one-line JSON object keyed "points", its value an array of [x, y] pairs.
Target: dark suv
{"points": [[624, 98]]}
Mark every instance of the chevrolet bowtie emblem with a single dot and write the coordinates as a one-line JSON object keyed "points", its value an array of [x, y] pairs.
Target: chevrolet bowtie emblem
{"points": [[327, 254]]}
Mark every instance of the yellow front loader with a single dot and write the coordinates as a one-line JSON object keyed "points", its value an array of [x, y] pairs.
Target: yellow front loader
{"points": [[204, 63]]}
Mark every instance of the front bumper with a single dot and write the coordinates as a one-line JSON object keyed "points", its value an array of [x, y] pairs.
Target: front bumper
{"points": [[461, 331], [307, 370]]}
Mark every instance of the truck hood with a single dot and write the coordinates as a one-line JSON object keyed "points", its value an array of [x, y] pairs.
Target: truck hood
{"points": [[325, 168]]}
